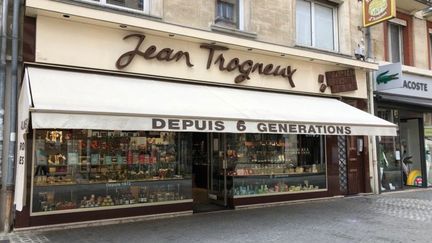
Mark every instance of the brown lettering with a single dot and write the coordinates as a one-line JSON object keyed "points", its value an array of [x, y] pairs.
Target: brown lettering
{"points": [[233, 64], [221, 60], [212, 49], [163, 55], [267, 69]]}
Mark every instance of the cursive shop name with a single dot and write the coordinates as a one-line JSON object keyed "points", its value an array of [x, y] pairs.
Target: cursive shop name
{"points": [[184, 125], [245, 68]]}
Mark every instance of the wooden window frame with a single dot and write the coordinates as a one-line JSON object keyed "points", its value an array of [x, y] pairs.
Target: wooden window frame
{"points": [[407, 39]]}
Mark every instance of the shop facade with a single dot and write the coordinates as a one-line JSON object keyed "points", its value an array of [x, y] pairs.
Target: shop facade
{"points": [[124, 123], [404, 98]]}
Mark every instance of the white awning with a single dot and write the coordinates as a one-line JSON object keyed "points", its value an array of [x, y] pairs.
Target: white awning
{"points": [[83, 100]]}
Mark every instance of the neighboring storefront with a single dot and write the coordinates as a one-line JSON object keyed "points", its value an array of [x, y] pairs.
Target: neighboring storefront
{"points": [[172, 125], [404, 98]]}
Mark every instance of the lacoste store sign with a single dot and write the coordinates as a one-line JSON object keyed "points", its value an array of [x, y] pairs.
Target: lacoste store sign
{"points": [[215, 57], [390, 79]]}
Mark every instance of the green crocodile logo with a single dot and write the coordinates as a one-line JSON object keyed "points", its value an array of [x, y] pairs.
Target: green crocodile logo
{"points": [[383, 78]]}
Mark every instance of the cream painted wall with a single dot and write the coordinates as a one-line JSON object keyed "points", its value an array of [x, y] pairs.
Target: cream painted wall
{"points": [[272, 20], [420, 46], [77, 44], [196, 13]]}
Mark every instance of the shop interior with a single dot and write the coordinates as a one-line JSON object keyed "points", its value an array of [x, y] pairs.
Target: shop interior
{"points": [[83, 169], [404, 159]]}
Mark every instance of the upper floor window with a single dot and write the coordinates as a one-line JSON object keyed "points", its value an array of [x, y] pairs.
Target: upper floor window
{"points": [[429, 38], [229, 13], [398, 39], [316, 24], [141, 5], [395, 42]]}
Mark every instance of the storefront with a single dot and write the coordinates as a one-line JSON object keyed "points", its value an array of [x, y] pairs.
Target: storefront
{"points": [[192, 127], [404, 98]]}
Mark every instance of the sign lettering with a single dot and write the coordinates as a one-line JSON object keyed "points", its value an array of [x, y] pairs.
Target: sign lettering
{"points": [[415, 85], [377, 11], [166, 54], [245, 68], [341, 81], [183, 125]]}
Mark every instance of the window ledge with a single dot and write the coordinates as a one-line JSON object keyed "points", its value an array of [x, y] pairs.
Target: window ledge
{"points": [[111, 8], [324, 51], [237, 32]]}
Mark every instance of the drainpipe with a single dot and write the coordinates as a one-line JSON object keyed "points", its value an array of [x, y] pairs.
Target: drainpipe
{"points": [[3, 46], [10, 126], [372, 139]]}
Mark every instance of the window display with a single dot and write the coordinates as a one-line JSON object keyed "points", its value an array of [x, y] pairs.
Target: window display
{"points": [[76, 169], [389, 155], [275, 163], [428, 146]]}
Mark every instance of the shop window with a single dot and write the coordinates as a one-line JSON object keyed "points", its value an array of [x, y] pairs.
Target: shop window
{"points": [[229, 13], [316, 25], [429, 38], [275, 163], [389, 155], [140, 5], [92, 170], [395, 42], [428, 145], [398, 39], [430, 47]]}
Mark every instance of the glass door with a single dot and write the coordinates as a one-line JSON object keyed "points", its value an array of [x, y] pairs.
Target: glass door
{"points": [[217, 170]]}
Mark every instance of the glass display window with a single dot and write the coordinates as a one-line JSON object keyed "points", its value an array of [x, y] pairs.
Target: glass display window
{"points": [[261, 164], [392, 170], [94, 169], [428, 146]]}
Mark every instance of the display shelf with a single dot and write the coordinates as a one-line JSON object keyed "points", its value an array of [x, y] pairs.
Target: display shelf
{"points": [[111, 182], [135, 205], [278, 193], [58, 174], [279, 175]]}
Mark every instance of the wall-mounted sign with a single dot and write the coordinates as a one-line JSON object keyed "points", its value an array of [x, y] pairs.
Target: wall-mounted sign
{"points": [[390, 79], [244, 68], [377, 11], [342, 80]]}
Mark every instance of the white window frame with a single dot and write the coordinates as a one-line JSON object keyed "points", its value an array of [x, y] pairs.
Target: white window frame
{"points": [[335, 26], [240, 23], [390, 41], [145, 10]]}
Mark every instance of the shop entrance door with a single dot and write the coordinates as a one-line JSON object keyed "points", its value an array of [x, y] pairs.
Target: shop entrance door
{"points": [[355, 165], [217, 171], [209, 170]]}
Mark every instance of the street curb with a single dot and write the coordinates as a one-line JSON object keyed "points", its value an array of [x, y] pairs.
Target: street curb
{"points": [[406, 191], [276, 204], [95, 223]]}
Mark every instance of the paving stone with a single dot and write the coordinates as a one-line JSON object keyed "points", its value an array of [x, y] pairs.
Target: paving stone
{"points": [[395, 217]]}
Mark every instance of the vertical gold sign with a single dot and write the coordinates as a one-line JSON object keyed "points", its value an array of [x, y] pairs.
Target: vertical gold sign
{"points": [[377, 11]]}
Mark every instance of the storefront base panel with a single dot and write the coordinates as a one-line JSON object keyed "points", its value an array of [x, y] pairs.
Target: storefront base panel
{"points": [[102, 215], [277, 198]]}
